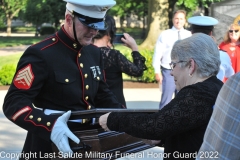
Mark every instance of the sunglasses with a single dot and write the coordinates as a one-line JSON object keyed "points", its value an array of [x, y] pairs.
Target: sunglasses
{"points": [[231, 31]]}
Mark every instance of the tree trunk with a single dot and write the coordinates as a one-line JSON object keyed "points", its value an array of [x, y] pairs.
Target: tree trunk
{"points": [[171, 9], [144, 27], [9, 24], [121, 22], [128, 19], [157, 21]]}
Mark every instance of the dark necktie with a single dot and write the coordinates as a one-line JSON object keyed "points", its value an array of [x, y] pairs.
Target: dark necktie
{"points": [[179, 36]]}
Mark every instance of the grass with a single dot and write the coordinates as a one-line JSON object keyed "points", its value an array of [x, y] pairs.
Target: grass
{"points": [[12, 59], [17, 41]]}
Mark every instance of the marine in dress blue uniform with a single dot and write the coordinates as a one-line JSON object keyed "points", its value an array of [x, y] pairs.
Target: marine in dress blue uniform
{"points": [[59, 73]]}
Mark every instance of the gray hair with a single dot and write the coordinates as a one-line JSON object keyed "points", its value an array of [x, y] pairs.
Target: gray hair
{"points": [[202, 49]]}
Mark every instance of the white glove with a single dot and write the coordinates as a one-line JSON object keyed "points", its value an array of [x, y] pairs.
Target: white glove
{"points": [[61, 133]]}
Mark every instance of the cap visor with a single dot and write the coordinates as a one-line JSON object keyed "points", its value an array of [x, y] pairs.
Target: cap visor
{"points": [[94, 25]]}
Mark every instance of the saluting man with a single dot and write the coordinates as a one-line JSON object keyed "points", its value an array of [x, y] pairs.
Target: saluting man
{"points": [[61, 73]]}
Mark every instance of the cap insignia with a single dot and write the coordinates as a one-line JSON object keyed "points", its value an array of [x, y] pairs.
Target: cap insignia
{"points": [[104, 9]]}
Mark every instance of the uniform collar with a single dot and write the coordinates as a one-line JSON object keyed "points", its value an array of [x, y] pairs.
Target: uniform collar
{"points": [[175, 29], [67, 40]]}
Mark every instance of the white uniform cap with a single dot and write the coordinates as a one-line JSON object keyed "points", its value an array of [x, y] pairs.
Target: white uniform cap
{"points": [[202, 21], [91, 8]]}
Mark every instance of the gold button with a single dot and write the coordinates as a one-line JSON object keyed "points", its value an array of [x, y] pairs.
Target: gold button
{"points": [[89, 107], [81, 65], [53, 39], [39, 119], [98, 78], [104, 9], [31, 117], [48, 123], [85, 75], [86, 98], [74, 45], [79, 55], [66, 80], [87, 86]]}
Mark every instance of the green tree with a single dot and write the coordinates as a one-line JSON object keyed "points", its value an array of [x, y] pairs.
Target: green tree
{"points": [[157, 21], [36, 12], [121, 10], [11, 8], [57, 11], [191, 5], [2, 18], [124, 8], [41, 11]]}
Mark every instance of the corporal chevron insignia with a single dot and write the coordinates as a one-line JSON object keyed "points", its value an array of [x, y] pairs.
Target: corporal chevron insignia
{"points": [[24, 78]]}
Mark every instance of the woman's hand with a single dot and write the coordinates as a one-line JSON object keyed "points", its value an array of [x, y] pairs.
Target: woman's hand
{"points": [[129, 42], [103, 121], [151, 142]]}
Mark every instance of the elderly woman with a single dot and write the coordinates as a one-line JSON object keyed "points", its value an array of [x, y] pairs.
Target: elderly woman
{"points": [[231, 44], [181, 124]]}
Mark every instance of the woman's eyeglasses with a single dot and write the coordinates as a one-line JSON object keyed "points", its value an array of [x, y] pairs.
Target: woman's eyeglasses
{"points": [[231, 31], [173, 64]]}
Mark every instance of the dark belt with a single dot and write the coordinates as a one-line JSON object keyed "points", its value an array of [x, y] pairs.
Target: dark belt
{"points": [[164, 68]]}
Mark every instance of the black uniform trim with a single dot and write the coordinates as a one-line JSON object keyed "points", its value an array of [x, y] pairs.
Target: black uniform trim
{"points": [[48, 42], [39, 122], [54, 39], [71, 43]]}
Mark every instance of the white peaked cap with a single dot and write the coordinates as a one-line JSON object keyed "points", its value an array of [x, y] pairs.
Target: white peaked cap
{"points": [[202, 21], [90, 8]]}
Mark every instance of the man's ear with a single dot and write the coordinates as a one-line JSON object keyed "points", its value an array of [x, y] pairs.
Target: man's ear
{"points": [[69, 19]]}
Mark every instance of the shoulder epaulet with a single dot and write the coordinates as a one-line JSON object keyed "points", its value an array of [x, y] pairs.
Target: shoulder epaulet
{"points": [[50, 41], [91, 47]]}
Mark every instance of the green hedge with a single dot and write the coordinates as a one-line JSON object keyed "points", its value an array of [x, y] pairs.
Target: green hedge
{"points": [[3, 28], [47, 30], [148, 75], [23, 29], [7, 71], [6, 74]]}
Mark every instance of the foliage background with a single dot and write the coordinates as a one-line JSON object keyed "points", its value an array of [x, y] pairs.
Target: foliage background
{"points": [[8, 63], [158, 13]]}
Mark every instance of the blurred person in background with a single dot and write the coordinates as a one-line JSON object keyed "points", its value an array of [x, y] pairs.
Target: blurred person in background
{"points": [[162, 56], [231, 44]]}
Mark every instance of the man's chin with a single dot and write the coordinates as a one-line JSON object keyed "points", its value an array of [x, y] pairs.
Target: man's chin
{"points": [[85, 43], [179, 27]]}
